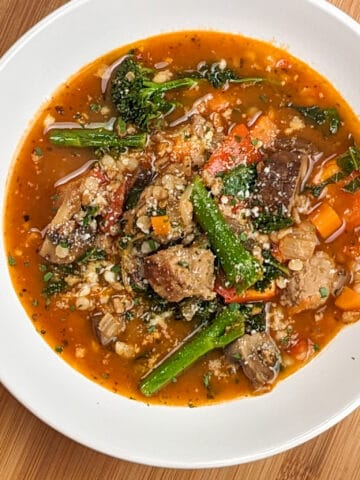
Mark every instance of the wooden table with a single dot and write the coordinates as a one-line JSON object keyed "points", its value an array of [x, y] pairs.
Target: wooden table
{"points": [[29, 449]]}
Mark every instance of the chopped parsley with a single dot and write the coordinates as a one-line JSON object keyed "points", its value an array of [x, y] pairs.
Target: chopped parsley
{"points": [[48, 276], [206, 380], [11, 261], [38, 151], [95, 107], [323, 292]]}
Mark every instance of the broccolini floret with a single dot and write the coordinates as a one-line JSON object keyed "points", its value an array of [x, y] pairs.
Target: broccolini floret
{"points": [[137, 98]]}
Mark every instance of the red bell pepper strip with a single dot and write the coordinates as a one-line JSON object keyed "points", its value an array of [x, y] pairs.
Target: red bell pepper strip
{"points": [[230, 295], [237, 148]]}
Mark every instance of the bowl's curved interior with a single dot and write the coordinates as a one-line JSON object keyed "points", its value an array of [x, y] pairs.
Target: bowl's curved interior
{"points": [[240, 431]]}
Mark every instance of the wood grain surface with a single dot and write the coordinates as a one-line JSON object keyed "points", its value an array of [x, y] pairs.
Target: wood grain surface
{"points": [[30, 450]]}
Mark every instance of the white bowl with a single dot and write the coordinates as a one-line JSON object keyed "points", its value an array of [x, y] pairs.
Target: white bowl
{"points": [[302, 406]]}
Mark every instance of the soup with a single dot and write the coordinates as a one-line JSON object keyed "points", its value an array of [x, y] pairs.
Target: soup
{"points": [[181, 218]]}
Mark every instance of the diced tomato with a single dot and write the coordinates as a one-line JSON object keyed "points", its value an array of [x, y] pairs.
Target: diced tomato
{"points": [[98, 173], [299, 349], [237, 148]]}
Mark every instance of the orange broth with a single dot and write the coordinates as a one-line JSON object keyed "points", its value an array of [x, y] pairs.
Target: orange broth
{"points": [[30, 205]]}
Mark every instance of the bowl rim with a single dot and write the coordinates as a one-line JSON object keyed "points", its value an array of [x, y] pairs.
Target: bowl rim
{"points": [[164, 462]]}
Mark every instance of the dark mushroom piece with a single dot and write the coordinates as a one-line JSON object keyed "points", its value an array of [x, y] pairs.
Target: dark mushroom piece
{"points": [[259, 357], [66, 239]]}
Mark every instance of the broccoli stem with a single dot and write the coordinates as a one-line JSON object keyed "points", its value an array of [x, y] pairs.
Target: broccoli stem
{"points": [[94, 137], [241, 268], [225, 328]]}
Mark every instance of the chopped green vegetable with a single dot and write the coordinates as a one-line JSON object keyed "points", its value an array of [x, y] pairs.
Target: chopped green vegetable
{"points": [[353, 186], [218, 75], [54, 287], [267, 222], [320, 116], [239, 182], [95, 137], [91, 255], [317, 189], [90, 214], [348, 162], [272, 270], [241, 267], [225, 328], [138, 99]]}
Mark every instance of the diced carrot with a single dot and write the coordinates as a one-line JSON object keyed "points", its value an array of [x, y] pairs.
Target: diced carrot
{"points": [[160, 225], [348, 299], [231, 296], [327, 170], [325, 220], [237, 148], [264, 131]]}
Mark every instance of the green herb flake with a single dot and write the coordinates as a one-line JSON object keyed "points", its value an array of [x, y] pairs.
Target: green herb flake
{"points": [[95, 107], [206, 380], [255, 142], [38, 151], [115, 268], [59, 349], [128, 316], [48, 276], [105, 376], [183, 263], [11, 261], [324, 293], [42, 267], [316, 347], [151, 328]]}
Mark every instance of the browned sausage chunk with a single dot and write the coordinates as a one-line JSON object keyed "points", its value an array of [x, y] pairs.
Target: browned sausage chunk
{"points": [[179, 272]]}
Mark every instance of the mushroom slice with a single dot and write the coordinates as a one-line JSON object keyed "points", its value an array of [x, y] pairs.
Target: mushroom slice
{"points": [[108, 328], [259, 357]]}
